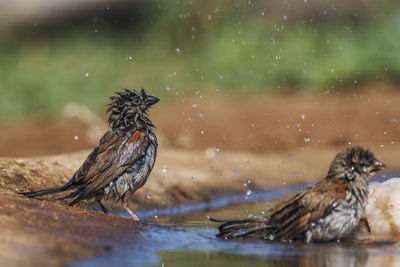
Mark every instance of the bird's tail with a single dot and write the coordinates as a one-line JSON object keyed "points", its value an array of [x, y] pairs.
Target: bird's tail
{"points": [[38, 193], [243, 228]]}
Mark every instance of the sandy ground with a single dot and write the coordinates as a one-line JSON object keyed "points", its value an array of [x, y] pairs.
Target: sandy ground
{"points": [[259, 139]]}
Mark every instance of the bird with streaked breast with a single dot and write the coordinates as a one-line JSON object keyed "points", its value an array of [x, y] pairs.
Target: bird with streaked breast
{"points": [[326, 211], [122, 161]]}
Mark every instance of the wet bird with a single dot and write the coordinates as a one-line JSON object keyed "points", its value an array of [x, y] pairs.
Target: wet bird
{"points": [[327, 211], [122, 161]]}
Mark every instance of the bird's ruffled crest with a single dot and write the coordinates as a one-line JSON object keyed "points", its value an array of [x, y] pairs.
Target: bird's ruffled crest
{"points": [[126, 107]]}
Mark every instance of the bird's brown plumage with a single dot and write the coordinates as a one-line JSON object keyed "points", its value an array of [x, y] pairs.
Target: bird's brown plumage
{"points": [[124, 158], [327, 210], [102, 167], [296, 215]]}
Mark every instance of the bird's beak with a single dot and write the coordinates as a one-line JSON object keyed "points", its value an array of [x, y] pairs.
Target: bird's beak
{"points": [[377, 166], [151, 100]]}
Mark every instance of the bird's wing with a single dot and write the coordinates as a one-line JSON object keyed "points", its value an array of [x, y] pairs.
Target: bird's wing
{"points": [[294, 217], [111, 161], [107, 142]]}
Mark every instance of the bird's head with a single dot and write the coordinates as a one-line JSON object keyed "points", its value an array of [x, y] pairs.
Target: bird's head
{"points": [[129, 108], [355, 163]]}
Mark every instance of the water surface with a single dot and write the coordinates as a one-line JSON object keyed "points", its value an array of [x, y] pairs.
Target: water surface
{"points": [[184, 236]]}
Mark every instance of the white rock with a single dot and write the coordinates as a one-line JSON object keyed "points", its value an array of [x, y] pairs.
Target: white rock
{"points": [[383, 210]]}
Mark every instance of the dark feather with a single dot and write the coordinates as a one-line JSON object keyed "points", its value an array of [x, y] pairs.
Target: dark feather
{"points": [[121, 146], [349, 172]]}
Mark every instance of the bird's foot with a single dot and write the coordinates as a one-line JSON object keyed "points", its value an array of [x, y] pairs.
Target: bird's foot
{"points": [[134, 216]]}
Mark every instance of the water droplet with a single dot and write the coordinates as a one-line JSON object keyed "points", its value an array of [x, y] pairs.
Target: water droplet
{"points": [[130, 58], [86, 74], [381, 145], [291, 156], [164, 168], [306, 139], [356, 134], [209, 17], [262, 13], [244, 184], [178, 51], [202, 132], [148, 196], [385, 132], [234, 172], [201, 115], [248, 192], [194, 105], [217, 150], [76, 137], [197, 92], [303, 116], [284, 17]]}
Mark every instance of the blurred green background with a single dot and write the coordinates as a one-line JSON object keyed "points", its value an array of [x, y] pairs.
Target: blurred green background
{"points": [[86, 51]]}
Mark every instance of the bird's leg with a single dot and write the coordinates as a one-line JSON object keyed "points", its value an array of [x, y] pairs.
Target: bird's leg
{"points": [[366, 223], [126, 206], [102, 206]]}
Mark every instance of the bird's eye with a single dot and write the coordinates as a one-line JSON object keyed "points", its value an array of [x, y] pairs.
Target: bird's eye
{"points": [[136, 101]]}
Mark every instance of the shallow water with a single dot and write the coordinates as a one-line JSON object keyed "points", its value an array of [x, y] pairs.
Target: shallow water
{"points": [[184, 236]]}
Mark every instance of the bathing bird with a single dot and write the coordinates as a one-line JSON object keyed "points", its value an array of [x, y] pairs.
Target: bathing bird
{"points": [[123, 159], [326, 211]]}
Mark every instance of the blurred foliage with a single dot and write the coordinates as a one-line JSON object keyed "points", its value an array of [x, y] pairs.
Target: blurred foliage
{"points": [[178, 47]]}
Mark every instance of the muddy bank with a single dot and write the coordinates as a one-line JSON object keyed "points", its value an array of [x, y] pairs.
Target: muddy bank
{"points": [[48, 232]]}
